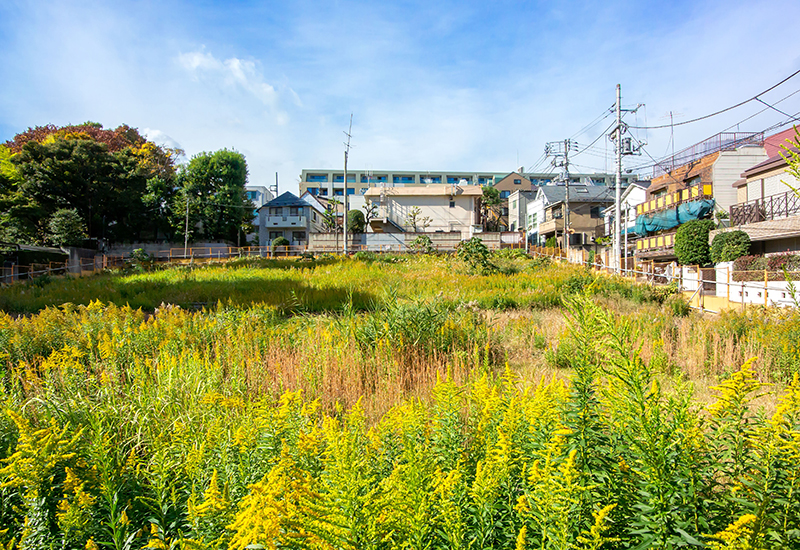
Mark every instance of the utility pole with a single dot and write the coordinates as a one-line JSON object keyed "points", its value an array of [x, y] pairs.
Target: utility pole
{"points": [[559, 150], [618, 191], [186, 230], [623, 147], [344, 202]]}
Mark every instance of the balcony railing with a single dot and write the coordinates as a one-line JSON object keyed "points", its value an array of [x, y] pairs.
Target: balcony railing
{"points": [[671, 200], [551, 226], [724, 141], [768, 208], [656, 242]]}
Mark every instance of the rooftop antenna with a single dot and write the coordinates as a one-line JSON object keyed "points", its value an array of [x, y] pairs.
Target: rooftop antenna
{"points": [[346, 154]]}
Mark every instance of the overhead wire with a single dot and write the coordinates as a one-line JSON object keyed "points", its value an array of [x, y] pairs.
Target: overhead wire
{"points": [[725, 110]]}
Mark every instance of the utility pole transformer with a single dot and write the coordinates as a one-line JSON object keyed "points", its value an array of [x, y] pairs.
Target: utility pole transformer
{"points": [[559, 150]]}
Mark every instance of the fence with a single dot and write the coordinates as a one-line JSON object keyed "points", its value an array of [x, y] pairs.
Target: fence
{"points": [[14, 272]]}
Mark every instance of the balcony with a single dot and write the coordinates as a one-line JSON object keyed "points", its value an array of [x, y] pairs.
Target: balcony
{"points": [[655, 243], [672, 200], [286, 221], [769, 208], [551, 226]]}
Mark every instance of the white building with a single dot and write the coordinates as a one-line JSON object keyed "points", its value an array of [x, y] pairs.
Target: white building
{"points": [[290, 217], [260, 195], [446, 207]]}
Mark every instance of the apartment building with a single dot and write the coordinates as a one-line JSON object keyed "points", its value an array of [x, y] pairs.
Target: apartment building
{"points": [[695, 183]]}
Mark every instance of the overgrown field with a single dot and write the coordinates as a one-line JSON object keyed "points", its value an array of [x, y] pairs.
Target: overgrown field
{"points": [[391, 403]]}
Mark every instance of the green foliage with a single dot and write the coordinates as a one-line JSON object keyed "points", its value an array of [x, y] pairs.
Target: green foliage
{"points": [[691, 242], [330, 218], [214, 186], [280, 241], [356, 222], [729, 246], [416, 220], [66, 228], [551, 242], [422, 245], [476, 255], [102, 174]]}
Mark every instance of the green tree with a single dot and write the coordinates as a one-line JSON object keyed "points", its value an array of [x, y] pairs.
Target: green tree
{"points": [[691, 242], [729, 246], [551, 242], [66, 228], [214, 186], [416, 220], [330, 218], [356, 222], [490, 200]]}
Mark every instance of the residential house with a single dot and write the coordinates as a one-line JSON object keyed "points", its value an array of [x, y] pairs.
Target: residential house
{"points": [[520, 181], [290, 217], [695, 183], [768, 210], [446, 208], [549, 209], [631, 197], [260, 195], [518, 209]]}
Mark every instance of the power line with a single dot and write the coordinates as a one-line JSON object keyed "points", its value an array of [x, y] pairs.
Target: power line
{"points": [[595, 140], [754, 98], [776, 109]]}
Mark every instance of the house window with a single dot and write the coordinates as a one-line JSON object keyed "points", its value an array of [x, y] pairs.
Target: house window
{"points": [[338, 192], [452, 204], [403, 179], [517, 182], [505, 194], [595, 212], [504, 211], [339, 178], [317, 178], [313, 191], [351, 190], [693, 181], [298, 235], [323, 191], [514, 205], [294, 211], [275, 234], [252, 195], [313, 215], [275, 211]]}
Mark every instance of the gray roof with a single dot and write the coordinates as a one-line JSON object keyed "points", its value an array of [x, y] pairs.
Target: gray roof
{"points": [[578, 193], [287, 199]]}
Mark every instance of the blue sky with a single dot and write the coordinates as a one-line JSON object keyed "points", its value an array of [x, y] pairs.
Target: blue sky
{"points": [[432, 85]]}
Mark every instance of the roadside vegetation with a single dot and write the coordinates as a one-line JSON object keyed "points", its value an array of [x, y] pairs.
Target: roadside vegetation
{"points": [[392, 402]]}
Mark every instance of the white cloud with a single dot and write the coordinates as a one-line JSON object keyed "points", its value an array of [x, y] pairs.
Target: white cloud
{"points": [[232, 72]]}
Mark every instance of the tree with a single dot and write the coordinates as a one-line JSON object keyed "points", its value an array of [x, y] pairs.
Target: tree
{"points": [[213, 184], [729, 246], [280, 241], [102, 174], [66, 228], [356, 222], [370, 211], [551, 242], [330, 218], [416, 220], [691, 242], [489, 201]]}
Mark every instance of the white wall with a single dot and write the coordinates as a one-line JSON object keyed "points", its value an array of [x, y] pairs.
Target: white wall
{"points": [[443, 218], [728, 168]]}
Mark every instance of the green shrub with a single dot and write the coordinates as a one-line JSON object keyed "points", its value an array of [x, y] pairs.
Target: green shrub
{"points": [[356, 223], [691, 242], [552, 242], [729, 246], [280, 241], [422, 245], [476, 255]]}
